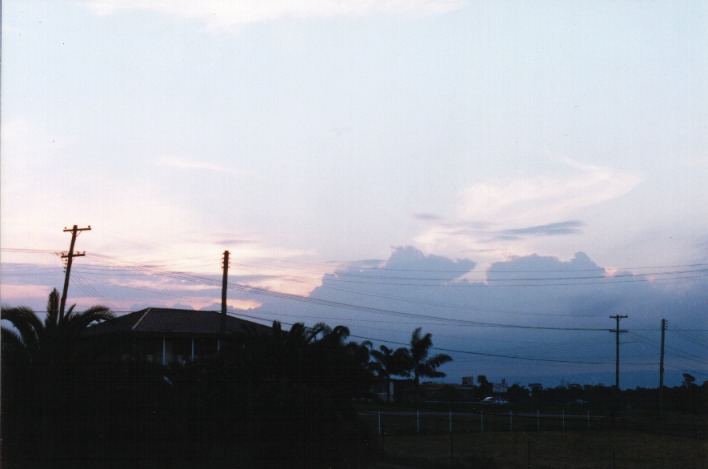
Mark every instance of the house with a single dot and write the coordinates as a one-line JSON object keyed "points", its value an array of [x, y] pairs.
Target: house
{"points": [[446, 392], [173, 336]]}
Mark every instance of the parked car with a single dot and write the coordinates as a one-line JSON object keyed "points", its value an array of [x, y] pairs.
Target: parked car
{"points": [[494, 401]]}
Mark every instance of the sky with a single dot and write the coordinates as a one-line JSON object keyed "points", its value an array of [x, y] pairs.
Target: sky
{"points": [[506, 175]]}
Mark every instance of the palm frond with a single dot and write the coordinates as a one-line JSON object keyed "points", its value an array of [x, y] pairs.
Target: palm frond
{"points": [[318, 329], [27, 324], [52, 319], [74, 323], [438, 360], [13, 348]]}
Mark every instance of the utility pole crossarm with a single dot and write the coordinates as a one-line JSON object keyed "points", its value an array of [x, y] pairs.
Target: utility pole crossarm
{"points": [[69, 259]]}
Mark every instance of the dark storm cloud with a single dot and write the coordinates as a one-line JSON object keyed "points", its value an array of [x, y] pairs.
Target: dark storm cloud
{"points": [[533, 307]]}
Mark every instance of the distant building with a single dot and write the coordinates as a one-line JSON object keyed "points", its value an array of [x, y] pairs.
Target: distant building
{"points": [[442, 392], [468, 380], [173, 336], [500, 388]]}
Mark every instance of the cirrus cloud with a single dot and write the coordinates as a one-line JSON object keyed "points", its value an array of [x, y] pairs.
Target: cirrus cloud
{"points": [[508, 217], [219, 15]]}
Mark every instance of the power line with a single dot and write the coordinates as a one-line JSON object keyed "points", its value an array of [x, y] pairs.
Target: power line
{"points": [[617, 332], [335, 304], [467, 352], [185, 276], [416, 281], [463, 271]]}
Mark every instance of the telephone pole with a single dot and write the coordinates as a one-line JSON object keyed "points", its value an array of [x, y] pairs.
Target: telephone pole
{"points": [[661, 367], [224, 286], [69, 258], [617, 332]]}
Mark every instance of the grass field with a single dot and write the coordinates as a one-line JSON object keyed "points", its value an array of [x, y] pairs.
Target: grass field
{"points": [[583, 450], [636, 439]]}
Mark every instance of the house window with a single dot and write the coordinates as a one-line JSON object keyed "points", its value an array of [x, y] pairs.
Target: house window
{"points": [[205, 347], [181, 348], [150, 348]]}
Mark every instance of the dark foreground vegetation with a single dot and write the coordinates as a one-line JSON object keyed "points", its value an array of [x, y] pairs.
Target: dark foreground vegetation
{"points": [[269, 399], [301, 398]]}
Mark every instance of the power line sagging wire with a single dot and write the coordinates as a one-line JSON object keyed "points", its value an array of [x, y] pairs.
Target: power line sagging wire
{"points": [[448, 350], [150, 269]]}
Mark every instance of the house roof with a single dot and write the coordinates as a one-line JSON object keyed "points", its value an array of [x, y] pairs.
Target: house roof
{"points": [[167, 321]]}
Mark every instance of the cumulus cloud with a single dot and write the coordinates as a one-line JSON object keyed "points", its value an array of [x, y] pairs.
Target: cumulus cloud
{"points": [[218, 15], [529, 306], [534, 307]]}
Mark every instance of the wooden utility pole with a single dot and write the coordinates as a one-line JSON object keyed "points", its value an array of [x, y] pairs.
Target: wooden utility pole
{"points": [[69, 257], [661, 367], [617, 332], [224, 286]]}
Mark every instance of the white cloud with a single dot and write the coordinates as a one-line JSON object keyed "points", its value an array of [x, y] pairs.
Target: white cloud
{"points": [[551, 197], [196, 165], [226, 14], [489, 210]]}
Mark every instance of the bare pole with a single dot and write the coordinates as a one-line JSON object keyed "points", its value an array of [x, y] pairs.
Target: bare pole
{"points": [[69, 258], [617, 332]]}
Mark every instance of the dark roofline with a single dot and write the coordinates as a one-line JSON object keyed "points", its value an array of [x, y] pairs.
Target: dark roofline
{"points": [[173, 322]]}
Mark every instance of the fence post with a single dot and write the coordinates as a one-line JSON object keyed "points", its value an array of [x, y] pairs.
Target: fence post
{"points": [[563, 418], [481, 420], [511, 421], [452, 454], [588, 418], [417, 420], [383, 441], [538, 420], [528, 452], [379, 422]]}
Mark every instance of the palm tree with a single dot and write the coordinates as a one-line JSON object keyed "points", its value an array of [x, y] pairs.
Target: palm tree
{"points": [[419, 364], [36, 343], [361, 353], [40, 366], [389, 363]]}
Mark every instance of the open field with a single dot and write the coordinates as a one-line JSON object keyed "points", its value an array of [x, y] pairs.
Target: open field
{"points": [[521, 439], [583, 450], [399, 421]]}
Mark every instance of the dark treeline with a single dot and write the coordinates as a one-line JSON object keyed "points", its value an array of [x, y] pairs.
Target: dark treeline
{"points": [[270, 398], [687, 398]]}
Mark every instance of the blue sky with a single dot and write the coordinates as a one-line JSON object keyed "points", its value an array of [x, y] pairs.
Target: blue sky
{"points": [[312, 137]]}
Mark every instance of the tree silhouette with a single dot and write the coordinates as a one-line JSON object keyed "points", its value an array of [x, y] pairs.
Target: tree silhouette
{"points": [[41, 363], [389, 363], [485, 387], [38, 343], [688, 380], [418, 363], [300, 383]]}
